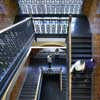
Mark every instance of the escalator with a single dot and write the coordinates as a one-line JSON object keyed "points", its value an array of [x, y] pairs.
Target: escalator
{"points": [[50, 85], [51, 88], [50, 82], [30, 84]]}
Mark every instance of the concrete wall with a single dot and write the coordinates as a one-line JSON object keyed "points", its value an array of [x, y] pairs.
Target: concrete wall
{"points": [[8, 11]]}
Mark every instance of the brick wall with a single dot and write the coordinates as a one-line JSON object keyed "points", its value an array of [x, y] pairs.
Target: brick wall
{"points": [[8, 11], [87, 6], [93, 14], [96, 54]]}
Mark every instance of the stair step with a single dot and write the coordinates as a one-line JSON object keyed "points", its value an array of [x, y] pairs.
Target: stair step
{"points": [[29, 88], [80, 48], [27, 96], [81, 87], [28, 93], [81, 92], [26, 99], [30, 83], [81, 42], [81, 97], [81, 38], [81, 45]]}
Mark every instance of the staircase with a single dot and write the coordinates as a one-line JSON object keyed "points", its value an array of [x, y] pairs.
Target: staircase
{"points": [[81, 47], [81, 82], [81, 86], [29, 87]]}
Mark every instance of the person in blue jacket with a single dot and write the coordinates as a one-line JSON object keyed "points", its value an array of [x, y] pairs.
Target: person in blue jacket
{"points": [[89, 65]]}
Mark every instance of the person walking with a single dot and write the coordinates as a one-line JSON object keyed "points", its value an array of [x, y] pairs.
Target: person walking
{"points": [[90, 65], [56, 55], [49, 60], [79, 66]]}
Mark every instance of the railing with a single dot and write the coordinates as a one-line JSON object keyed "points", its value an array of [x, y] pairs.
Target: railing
{"points": [[14, 44], [50, 7], [61, 79], [38, 89], [50, 25], [69, 57]]}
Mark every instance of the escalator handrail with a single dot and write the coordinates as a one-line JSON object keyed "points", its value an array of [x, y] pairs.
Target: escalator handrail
{"points": [[17, 66], [16, 58], [14, 25], [38, 85]]}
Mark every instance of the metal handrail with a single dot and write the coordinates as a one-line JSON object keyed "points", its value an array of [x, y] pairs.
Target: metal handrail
{"points": [[70, 57], [61, 79], [38, 85], [13, 67], [39, 82], [14, 25], [52, 18], [26, 53]]}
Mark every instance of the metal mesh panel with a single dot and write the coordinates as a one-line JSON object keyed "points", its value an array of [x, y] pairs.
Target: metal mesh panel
{"points": [[12, 42]]}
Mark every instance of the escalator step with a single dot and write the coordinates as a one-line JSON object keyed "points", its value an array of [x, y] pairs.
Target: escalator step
{"points": [[28, 93]]}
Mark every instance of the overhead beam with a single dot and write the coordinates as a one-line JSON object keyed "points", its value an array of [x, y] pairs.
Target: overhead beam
{"points": [[51, 35]]}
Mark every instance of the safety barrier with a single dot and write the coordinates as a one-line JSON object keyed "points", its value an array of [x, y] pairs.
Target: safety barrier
{"points": [[15, 42], [38, 89]]}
